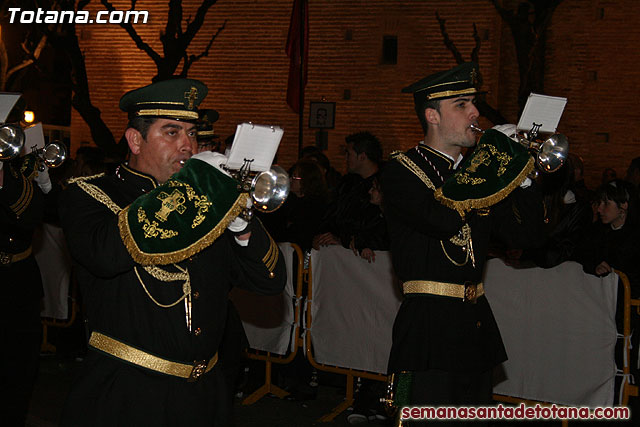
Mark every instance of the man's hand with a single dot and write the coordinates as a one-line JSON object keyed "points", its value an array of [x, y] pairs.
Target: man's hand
{"points": [[603, 269], [43, 180], [369, 255], [325, 239], [214, 159]]}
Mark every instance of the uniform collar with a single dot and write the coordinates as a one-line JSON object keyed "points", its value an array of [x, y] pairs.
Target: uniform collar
{"points": [[443, 159], [136, 178]]}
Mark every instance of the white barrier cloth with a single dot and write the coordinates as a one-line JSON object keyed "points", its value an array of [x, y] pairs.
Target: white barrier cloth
{"points": [[269, 320], [353, 308], [52, 256], [558, 326]]}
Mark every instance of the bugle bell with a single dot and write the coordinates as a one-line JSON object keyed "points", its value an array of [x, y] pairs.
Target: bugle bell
{"points": [[12, 139], [550, 153], [268, 189]]}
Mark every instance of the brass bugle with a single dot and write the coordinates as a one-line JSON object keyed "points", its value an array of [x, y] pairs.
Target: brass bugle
{"points": [[550, 154]]}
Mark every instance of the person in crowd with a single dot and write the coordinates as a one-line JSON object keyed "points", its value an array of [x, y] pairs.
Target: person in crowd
{"points": [[445, 336], [298, 219], [567, 219], [22, 199], [373, 231], [352, 207], [157, 246], [612, 242], [579, 187], [206, 137], [331, 176]]}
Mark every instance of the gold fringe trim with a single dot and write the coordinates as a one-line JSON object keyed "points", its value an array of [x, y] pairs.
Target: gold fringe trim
{"points": [[463, 206], [145, 258]]}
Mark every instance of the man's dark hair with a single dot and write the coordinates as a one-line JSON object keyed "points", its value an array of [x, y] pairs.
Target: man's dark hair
{"points": [[142, 124], [367, 143], [420, 109]]}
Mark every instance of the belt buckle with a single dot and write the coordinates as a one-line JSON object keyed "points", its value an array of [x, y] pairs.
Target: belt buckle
{"points": [[470, 292], [199, 368], [5, 258]]}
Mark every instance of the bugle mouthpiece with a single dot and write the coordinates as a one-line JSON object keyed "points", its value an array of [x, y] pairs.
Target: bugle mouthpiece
{"points": [[475, 128]]}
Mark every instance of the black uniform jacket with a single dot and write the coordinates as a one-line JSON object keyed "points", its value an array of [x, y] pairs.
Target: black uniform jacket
{"points": [[21, 211], [434, 332], [139, 312]]}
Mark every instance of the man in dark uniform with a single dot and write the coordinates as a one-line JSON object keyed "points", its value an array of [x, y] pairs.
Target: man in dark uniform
{"points": [[21, 211], [445, 333], [157, 246]]}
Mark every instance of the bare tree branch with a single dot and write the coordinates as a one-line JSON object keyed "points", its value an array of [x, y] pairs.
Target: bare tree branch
{"points": [[128, 27], [447, 41], [475, 53], [193, 58]]}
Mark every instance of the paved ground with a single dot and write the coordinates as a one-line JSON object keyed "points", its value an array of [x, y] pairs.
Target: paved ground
{"points": [[56, 373]]}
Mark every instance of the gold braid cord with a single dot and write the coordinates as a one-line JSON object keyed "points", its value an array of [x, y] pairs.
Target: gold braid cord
{"points": [[415, 169], [165, 276], [464, 237]]}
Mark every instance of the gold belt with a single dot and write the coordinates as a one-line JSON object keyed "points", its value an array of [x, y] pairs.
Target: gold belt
{"points": [[7, 258], [141, 358], [467, 292]]}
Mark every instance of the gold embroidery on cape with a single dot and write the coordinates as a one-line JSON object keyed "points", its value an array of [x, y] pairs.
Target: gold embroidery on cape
{"points": [[170, 202], [464, 178], [503, 158], [201, 202], [481, 157], [151, 228]]}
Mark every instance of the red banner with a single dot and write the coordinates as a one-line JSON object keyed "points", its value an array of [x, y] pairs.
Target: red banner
{"points": [[298, 59]]}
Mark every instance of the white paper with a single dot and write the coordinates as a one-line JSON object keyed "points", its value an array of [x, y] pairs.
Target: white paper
{"points": [[542, 110], [7, 101], [33, 139], [254, 142]]}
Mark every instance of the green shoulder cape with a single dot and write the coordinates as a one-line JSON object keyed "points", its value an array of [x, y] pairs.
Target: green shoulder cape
{"points": [[496, 167]]}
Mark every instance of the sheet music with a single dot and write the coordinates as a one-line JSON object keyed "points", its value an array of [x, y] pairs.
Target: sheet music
{"points": [[7, 101], [33, 139], [257, 142], [542, 110]]}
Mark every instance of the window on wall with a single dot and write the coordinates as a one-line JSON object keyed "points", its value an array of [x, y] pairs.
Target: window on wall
{"points": [[389, 50]]}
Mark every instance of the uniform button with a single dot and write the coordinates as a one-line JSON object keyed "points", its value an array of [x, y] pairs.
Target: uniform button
{"points": [[478, 324], [10, 239], [272, 275], [197, 332], [190, 259], [196, 295]]}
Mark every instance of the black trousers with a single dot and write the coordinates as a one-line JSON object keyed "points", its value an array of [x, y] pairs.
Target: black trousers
{"points": [[441, 388]]}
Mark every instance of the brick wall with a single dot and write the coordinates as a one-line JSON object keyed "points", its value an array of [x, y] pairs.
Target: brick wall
{"points": [[591, 53]]}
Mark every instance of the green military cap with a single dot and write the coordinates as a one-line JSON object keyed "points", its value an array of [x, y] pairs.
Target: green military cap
{"points": [[458, 81], [207, 117], [176, 99]]}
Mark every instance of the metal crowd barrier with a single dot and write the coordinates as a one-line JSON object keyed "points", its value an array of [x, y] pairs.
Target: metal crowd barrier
{"points": [[302, 338]]}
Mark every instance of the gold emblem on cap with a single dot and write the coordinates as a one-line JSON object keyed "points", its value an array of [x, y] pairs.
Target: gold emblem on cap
{"points": [[473, 77], [192, 95]]}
